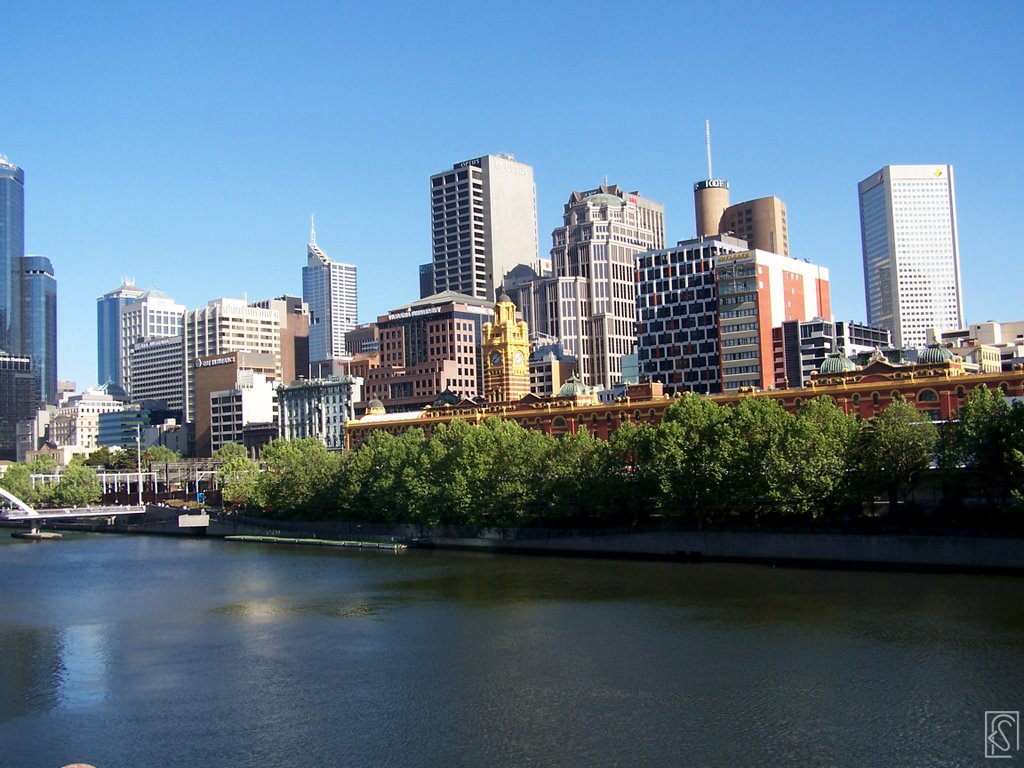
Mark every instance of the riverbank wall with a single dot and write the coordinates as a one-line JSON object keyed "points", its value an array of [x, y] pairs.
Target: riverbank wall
{"points": [[933, 551], [981, 552]]}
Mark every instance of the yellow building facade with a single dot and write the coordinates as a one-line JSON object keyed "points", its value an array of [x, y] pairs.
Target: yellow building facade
{"points": [[505, 346]]}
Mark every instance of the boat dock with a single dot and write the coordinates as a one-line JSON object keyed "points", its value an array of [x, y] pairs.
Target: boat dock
{"points": [[380, 545]]}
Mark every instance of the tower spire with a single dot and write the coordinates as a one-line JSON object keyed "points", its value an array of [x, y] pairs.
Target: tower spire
{"points": [[312, 229], [707, 140]]}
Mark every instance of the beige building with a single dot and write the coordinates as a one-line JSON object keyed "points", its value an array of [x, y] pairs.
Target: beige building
{"points": [[222, 379], [425, 348], [224, 326], [992, 346], [76, 424], [250, 400], [483, 215], [603, 231], [761, 222], [295, 318]]}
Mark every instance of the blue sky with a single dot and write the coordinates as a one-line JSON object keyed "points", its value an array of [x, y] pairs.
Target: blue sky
{"points": [[187, 144]]}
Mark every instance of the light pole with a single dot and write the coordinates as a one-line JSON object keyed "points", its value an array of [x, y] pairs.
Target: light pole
{"points": [[138, 457]]}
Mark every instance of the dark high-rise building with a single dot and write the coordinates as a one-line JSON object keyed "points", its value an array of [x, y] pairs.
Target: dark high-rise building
{"points": [[18, 400], [12, 248], [39, 323]]}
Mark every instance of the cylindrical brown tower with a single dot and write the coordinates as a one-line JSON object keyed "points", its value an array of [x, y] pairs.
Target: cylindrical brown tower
{"points": [[710, 199]]}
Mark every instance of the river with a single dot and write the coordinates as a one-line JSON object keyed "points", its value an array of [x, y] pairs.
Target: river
{"points": [[135, 651]]}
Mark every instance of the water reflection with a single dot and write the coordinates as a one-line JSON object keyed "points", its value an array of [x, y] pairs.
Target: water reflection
{"points": [[84, 659], [140, 651], [30, 670]]}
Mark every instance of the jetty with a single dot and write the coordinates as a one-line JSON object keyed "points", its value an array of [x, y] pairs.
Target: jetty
{"points": [[379, 545]]}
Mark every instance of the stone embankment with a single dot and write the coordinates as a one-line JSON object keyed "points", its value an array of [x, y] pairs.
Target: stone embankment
{"points": [[946, 551]]}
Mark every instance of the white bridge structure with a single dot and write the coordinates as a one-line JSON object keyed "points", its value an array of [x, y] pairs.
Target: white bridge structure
{"points": [[16, 510]]}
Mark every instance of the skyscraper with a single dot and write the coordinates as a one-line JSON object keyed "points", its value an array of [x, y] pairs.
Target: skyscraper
{"points": [[108, 332], [911, 252], [12, 248], [224, 326], [39, 323], [706, 309], [483, 222], [153, 315], [604, 229], [329, 289]]}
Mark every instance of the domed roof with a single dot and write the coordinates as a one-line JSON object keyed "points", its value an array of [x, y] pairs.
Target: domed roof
{"points": [[375, 407], [934, 353], [504, 298], [446, 398], [572, 387], [603, 199], [837, 362]]}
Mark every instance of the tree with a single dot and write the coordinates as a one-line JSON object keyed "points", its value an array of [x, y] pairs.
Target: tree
{"points": [[987, 445], [229, 451], [238, 478], [43, 465], [573, 478], [160, 454], [298, 477], [628, 485], [117, 459], [386, 480], [691, 453], [504, 478], [821, 443], [895, 447], [78, 486], [17, 479], [763, 468]]}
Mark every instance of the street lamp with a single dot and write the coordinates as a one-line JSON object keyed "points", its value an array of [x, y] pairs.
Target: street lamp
{"points": [[138, 457]]}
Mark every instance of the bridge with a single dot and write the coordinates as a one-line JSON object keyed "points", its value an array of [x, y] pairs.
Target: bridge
{"points": [[16, 510]]}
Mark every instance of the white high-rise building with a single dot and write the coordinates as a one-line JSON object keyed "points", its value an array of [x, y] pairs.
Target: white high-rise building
{"points": [[911, 252], [483, 219], [329, 288], [158, 371], [153, 315]]}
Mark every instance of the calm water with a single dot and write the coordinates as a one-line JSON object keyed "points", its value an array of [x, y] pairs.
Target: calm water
{"points": [[145, 651]]}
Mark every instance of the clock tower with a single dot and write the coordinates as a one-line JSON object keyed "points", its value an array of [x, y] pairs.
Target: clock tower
{"points": [[506, 354]]}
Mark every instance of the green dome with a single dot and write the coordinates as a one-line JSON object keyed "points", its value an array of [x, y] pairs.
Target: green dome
{"points": [[837, 362], [572, 387], [603, 199], [935, 353], [374, 407]]}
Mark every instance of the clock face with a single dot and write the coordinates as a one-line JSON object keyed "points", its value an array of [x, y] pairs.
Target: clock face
{"points": [[495, 358], [518, 357]]}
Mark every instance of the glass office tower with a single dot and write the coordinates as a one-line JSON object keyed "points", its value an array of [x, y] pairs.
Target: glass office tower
{"points": [[39, 323], [911, 251], [12, 248], [109, 366]]}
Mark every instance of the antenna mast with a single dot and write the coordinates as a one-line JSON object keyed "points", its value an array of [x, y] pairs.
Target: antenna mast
{"points": [[312, 227], [707, 141]]}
